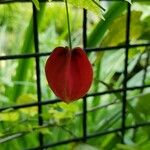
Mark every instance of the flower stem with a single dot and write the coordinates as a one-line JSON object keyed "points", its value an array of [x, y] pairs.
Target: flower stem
{"points": [[68, 23]]}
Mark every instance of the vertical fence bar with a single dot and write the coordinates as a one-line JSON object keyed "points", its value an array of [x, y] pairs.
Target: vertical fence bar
{"points": [[36, 46], [84, 98], [124, 98]]}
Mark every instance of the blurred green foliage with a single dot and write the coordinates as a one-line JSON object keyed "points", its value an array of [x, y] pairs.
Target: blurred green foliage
{"points": [[61, 121]]}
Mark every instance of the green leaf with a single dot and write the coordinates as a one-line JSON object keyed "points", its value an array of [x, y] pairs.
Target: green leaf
{"points": [[101, 28], [83, 146], [145, 146], [127, 147], [96, 36], [146, 30], [143, 104], [135, 113], [9, 116], [129, 1], [88, 4], [146, 2], [44, 131], [36, 3], [62, 113], [115, 36], [110, 142], [25, 99]]}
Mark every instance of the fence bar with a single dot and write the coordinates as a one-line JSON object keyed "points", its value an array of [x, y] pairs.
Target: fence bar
{"points": [[37, 59], [103, 133], [53, 101], [124, 98], [84, 123], [97, 49]]}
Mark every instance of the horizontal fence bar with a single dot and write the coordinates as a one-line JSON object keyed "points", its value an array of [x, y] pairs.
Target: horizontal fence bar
{"points": [[30, 104], [116, 47], [32, 55], [53, 101], [80, 139], [23, 56]]}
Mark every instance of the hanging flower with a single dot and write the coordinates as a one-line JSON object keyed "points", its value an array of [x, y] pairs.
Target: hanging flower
{"points": [[69, 73]]}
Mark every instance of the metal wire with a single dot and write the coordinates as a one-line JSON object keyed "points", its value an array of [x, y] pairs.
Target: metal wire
{"points": [[84, 122], [53, 101], [124, 97], [87, 50], [100, 134], [37, 60]]}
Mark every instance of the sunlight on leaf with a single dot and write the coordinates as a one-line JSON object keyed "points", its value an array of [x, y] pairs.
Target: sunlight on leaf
{"points": [[25, 99], [62, 113], [9, 116], [130, 1], [115, 36], [36, 3], [88, 4], [83, 146], [44, 131], [115, 10]]}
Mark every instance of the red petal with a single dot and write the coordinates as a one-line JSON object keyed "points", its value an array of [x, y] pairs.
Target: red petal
{"points": [[69, 73]]}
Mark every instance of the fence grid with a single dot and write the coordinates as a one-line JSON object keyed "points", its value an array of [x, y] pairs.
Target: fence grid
{"points": [[37, 54]]}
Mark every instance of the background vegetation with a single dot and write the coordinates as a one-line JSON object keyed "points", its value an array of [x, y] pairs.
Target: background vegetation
{"points": [[61, 121]]}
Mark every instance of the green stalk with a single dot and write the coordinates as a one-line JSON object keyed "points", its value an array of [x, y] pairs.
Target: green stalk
{"points": [[68, 24]]}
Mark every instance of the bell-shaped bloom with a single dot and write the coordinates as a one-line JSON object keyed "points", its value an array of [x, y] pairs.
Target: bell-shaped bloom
{"points": [[69, 73]]}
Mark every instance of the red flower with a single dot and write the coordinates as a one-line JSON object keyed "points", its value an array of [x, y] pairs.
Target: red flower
{"points": [[69, 73]]}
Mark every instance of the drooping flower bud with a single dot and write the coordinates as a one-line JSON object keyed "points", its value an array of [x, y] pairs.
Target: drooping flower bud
{"points": [[69, 73]]}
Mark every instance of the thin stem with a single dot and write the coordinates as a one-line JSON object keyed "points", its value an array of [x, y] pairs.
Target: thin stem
{"points": [[68, 23]]}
